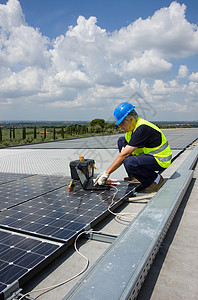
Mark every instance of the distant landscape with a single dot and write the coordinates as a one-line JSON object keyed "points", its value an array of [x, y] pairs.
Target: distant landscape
{"points": [[13, 133]]}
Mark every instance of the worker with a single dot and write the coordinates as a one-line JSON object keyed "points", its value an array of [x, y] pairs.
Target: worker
{"points": [[144, 150]]}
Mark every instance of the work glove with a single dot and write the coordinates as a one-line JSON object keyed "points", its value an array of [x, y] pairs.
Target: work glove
{"points": [[101, 178]]}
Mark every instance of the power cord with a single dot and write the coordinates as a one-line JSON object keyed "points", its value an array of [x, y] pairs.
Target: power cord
{"points": [[119, 215], [47, 289]]}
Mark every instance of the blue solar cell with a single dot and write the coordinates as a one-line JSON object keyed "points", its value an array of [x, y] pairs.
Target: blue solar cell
{"points": [[45, 209], [45, 248], [10, 239], [29, 260], [65, 234], [11, 273], [19, 255], [47, 230], [8, 177], [11, 254], [49, 214], [19, 191], [28, 244]]}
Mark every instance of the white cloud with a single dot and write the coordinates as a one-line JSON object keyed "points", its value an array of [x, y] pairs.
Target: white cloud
{"points": [[26, 82], [148, 65], [75, 79], [90, 68], [11, 15], [183, 71], [194, 77], [26, 46], [193, 90], [167, 31]]}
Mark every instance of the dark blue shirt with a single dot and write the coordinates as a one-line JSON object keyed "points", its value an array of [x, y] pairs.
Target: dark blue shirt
{"points": [[145, 136]]}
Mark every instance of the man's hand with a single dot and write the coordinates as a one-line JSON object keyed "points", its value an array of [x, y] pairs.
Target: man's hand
{"points": [[101, 178]]}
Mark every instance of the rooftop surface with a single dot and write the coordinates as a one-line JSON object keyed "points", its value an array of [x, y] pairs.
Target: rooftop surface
{"points": [[173, 274]]}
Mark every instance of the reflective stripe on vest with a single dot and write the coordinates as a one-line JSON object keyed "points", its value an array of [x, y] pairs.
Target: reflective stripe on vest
{"points": [[158, 150], [164, 159], [161, 153], [163, 147]]}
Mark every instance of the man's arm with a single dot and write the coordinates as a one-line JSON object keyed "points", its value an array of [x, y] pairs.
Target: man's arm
{"points": [[126, 151]]}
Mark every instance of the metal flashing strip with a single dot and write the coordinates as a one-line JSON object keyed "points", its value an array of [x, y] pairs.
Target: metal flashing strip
{"points": [[120, 272]]}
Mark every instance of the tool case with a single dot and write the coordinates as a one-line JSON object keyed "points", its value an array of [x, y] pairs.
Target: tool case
{"points": [[85, 165]]}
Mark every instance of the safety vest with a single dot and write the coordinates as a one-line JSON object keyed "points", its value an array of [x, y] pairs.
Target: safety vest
{"points": [[162, 153]]}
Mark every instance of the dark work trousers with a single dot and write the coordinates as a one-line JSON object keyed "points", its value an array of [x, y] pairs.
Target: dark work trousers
{"points": [[143, 167]]}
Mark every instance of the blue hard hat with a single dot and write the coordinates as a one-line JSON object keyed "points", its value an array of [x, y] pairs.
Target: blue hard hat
{"points": [[122, 111]]}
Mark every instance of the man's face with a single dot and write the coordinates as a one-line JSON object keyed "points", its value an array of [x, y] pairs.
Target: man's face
{"points": [[127, 124]]}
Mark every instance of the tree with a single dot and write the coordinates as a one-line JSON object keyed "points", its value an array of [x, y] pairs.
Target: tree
{"points": [[34, 132], [1, 134], [13, 132], [68, 130], [45, 132], [23, 133], [62, 132], [100, 122], [97, 128]]}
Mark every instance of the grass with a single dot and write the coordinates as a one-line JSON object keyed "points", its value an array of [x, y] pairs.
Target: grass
{"points": [[8, 140]]}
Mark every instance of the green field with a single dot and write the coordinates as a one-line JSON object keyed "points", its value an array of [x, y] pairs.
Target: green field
{"points": [[19, 133], [26, 133]]}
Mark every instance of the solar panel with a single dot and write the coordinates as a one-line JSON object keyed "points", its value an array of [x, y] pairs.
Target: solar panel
{"points": [[20, 255], [178, 138], [92, 142], [8, 177], [60, 215], [16, 192], [33, 230]]}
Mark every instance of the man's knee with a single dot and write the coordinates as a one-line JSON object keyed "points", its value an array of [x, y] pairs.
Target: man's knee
{"points": [[131, 162]]}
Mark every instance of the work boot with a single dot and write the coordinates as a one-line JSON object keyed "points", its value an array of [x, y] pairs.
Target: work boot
{"points": [[154, 187], [132, 179]]}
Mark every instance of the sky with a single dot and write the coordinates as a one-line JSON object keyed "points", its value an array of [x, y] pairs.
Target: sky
{"points": [[77, 60]]}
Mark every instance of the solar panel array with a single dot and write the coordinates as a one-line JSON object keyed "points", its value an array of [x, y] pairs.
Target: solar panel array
{"points": [[179, 138], [39, 216], [16, 192], [20, 255], [8, 177]]}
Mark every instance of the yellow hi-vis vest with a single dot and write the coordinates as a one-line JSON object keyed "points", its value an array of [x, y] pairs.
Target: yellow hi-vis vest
{"points": [[162, 153]]}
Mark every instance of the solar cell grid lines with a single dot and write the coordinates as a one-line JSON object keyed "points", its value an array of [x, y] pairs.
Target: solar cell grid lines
{"points": [[18, 191], [8, 177], [60, 215], [180, 138], [19, 255], [38, 215]]}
